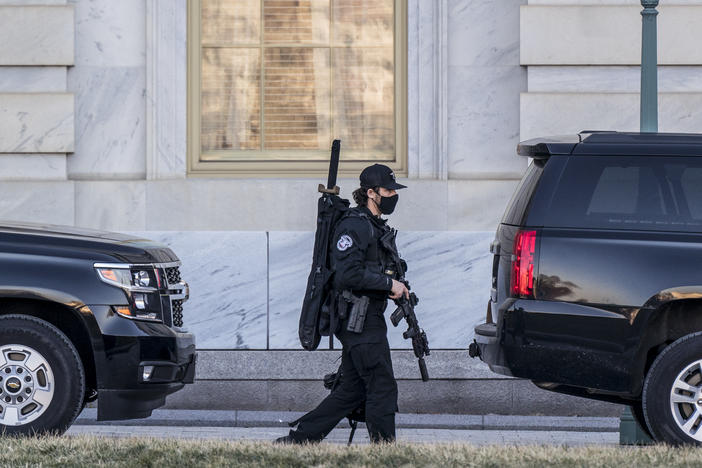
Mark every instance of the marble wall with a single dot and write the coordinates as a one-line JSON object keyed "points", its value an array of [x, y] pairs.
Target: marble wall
{"points": [[607, 34], [247, 287], [484, 82], [582, 67], [109, 81]]}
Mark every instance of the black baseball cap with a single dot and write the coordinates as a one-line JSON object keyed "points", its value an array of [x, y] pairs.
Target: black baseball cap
{"points": [[379, 175]]}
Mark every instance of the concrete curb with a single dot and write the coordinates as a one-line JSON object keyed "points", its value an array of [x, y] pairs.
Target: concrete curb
{"points": [[489, 422]]}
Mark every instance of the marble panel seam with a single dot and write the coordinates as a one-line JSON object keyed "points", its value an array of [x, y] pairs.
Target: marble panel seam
{"points": [[268, 290]]}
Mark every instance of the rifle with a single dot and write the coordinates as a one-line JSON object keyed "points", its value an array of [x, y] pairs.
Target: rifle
{"points": [[405, 307]]}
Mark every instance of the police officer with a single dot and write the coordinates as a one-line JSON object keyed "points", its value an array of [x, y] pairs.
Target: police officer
{"points": [[360, 267]]}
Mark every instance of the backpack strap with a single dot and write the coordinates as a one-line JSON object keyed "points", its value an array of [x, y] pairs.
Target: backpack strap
{"points": [[360, 214]]}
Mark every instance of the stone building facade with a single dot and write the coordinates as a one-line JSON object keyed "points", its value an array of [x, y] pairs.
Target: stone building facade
{"points": [[94, 132]]}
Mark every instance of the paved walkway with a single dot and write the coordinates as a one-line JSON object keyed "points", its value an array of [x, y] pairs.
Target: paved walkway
{"points": [[269, 419], [428, 428], [340, 436]]}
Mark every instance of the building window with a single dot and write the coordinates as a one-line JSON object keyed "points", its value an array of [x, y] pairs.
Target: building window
{"points": [[273, 82]]}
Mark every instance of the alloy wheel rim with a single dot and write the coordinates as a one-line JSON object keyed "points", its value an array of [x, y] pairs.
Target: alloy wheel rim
{"points": [[26, 384], [686, 400]]}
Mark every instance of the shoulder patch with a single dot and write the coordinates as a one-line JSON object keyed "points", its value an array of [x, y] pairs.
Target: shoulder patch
{"points": [[344, 243]]}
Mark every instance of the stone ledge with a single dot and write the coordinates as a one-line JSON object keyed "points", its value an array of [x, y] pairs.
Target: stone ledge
{"points": [[222, 418], [476, 397], [205, 204], [38, 202], [32, 166], [305, 365]]}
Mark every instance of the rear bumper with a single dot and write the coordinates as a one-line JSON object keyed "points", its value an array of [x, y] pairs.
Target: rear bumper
{"points": [[559, 343], [488, 342], [489, 349]]}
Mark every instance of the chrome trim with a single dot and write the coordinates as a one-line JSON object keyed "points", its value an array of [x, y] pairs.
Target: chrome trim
{"points": [[141, 319], [140, 289], [137, 265], [179, 294]]}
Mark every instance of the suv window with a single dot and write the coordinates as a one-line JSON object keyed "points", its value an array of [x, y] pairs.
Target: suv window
{"points": [[517, 206], [629, 192]]}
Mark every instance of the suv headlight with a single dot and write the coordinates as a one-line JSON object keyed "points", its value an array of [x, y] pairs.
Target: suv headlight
{"points": [[130, 278], [141, 285]]}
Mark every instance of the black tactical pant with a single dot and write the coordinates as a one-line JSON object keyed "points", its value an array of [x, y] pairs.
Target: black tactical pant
{"points": [[367, 375]]}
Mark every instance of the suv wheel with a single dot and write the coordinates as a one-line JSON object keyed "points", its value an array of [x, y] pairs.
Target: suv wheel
{"points": [[41, 377], [672, 393], [640, 418]]}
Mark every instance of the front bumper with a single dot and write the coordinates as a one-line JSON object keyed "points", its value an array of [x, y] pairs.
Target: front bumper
{"points": [[140, 367]]}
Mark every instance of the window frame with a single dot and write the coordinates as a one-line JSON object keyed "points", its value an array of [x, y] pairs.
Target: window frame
{"points": [[288, 168]]}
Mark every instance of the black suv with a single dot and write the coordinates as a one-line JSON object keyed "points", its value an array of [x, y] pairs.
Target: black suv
{"points": [[597, 276], [87, 315]]}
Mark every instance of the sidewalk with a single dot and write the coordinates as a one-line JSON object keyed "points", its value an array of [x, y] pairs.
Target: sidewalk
{"points": [[341, 435], [279, 419]]}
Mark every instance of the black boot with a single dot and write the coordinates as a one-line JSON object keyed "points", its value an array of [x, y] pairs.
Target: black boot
{"points": [[289, 439]]}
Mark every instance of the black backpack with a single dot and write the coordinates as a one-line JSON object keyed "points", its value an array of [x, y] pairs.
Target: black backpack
{"points": [[317, 306], [330, 209]]}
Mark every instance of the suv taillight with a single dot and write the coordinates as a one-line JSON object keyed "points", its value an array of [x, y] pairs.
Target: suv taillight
{"points": [[522, 284]]}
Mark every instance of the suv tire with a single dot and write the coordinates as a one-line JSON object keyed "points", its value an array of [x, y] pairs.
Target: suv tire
{"points": [[42, 378], [640, 418], [672, 393]]}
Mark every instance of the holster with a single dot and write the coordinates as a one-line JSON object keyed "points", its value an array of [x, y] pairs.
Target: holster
{"points": [[357, 314]]}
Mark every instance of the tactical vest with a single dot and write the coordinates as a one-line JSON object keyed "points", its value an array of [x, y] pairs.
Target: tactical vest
{"points": [[376, 258]]}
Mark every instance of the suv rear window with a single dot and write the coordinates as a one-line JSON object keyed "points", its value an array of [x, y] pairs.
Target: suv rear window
{"points": [[517, 206], [629, 192]]}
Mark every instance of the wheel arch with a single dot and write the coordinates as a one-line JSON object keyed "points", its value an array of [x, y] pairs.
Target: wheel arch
{"points": [[662, 325], [65, 318]]}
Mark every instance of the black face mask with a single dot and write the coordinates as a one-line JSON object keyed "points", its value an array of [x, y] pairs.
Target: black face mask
{"points": [[387, 204]]}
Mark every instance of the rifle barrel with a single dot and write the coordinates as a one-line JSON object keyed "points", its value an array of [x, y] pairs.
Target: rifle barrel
{"points": [[423, 369]]}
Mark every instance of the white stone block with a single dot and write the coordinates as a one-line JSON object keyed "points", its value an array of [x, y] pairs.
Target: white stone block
{"points": [[32, 79], [111, 206], [423, 206], [290, 262], [484, 32], [37, 202], [545, 114], [236, 204], [227, 274], [478, 205], [36, 123], [607, 35], [32, 166], [611, 79], [608, 2], [32, 2], [484, 121], [36, 35], [449, 271], [278, 204], [110, 128], [110, 33]]}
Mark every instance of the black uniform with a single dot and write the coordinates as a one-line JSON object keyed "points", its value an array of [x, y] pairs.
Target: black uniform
{"points": [[359, 265]]}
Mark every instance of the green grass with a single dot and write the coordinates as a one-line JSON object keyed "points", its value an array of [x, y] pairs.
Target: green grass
{"points": [[93, 451]]}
